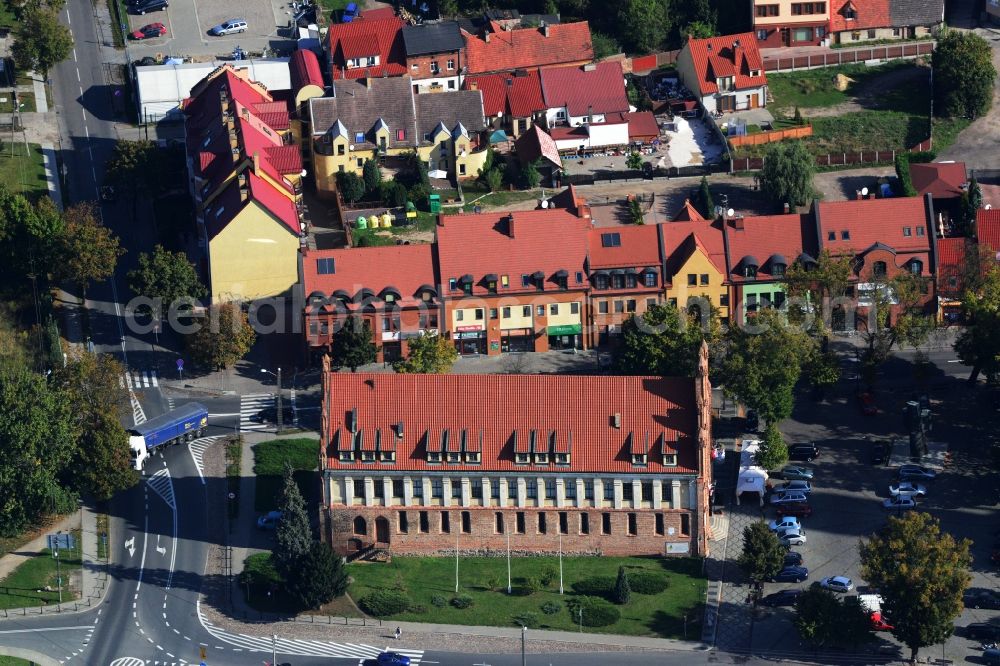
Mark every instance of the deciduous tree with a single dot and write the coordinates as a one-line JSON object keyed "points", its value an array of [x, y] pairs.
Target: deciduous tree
{"points": [[823, 619], [225, 337], [787, 176], [904, 295], [428, 354], [921, 573], [351, 186], [644, 25], [42, 42], [773, 452], [763, 555], [89, 251], [964, 75], [293, 535], [135, 170], [664, 341], [166, 275], [604, 45], [978, 344], [353, 346]]}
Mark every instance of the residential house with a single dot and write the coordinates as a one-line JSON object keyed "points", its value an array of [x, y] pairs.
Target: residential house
{"points": [[725, 73], [779, 23], [425, 464], [434, 53], [583, 139], [382, 118], [495, 48], [512, 101], [853, 21], [625, 268], [951, 267], [393, 289], [537, 147], [988, 230], [369, 46], [307, 82], [695, 254], [946, 182], [507, 286], [583, 95], [244, 176], [913, 19], [642, 125]]}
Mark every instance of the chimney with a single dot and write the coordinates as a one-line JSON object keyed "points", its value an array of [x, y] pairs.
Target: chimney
{"points": [[616, 420], [368, 79], [486, 37], [858, 195], [787, 209], [510, 225], [738, 222], [473, 85], [545, 29], [590, 114], [256, 162]]}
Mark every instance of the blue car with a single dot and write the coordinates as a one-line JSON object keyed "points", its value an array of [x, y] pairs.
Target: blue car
{"points": [[791, 575], [393, 659]]}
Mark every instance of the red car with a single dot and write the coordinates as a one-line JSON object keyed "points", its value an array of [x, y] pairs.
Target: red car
{"points": [[797, 509], [878, 624], [150, 31], [867, 402]]}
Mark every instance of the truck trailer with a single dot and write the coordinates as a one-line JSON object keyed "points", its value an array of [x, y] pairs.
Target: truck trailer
{"points": [[182, 424]]}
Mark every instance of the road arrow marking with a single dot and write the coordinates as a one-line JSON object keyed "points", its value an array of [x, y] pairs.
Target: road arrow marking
{"points": [[130, 546], [161, 550]]}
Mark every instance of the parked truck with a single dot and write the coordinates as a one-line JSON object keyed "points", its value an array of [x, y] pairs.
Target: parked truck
{"points": [[182, 424]]}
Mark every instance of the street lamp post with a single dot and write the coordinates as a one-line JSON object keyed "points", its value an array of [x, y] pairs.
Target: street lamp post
{"points": [[508, 562], [274, 649], [55, 554], [277, 376], [560, 565], [524, 633]]}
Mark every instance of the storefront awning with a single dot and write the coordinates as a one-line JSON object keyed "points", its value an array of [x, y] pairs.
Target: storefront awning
{"points": [[565, 329]]}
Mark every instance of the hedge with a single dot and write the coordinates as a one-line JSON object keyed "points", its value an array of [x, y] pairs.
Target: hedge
{"points": [[596, 611], [647, 582], [381, 603], [595, 586]]}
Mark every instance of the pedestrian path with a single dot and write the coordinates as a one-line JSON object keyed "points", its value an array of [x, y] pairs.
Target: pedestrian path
{"points": [[251, 406], [197, 450], [163, 486]]}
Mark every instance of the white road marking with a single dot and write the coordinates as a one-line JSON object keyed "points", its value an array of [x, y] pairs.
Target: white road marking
{"points": [[78, 75], [38, 631], [74, 55], [142, 563]]}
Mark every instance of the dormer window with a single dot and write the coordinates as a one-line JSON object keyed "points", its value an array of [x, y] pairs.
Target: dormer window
{"points": [[435, 445], [562, 458], [778, 270], [473, 447], [638, 448], [521, 458], [522, 449], [562, 448], [600, 281], [638, 458], [367, 456], [562, 279], [540, 448], [433, 456], [389, 298], [750, 271], [630, 280], [670, 460], [346, 456], [344, 444]]}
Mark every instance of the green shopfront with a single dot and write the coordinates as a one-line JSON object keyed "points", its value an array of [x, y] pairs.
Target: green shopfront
{"points": [[760, 295], [565, 336]]}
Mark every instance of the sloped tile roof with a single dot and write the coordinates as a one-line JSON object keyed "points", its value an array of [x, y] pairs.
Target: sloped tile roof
{"points": [[528, 47], [779, 236], [726, 56], [988, 229], [641, 124], [907, 13], [513, 243], [516, 94], [274, 114], [364, 37], [683, 237], [941, 179], [430, 38], [640, 247], [450, 108], [688, 213], [535, 144], [579, 408], [305, 70], [872, 221], [359, 108], [600, 87], [951, 264], [285, 159], [275, 202], [869, 14], [406, 267]]}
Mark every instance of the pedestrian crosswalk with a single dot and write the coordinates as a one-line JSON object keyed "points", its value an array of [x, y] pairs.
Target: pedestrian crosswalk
{"points": [[197, 449], [250, 408], [163, 486], [139, 379]]}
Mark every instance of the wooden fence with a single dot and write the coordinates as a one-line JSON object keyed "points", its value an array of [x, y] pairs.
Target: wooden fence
{"points": [[831, 57], [770, 136], [838, 159]]}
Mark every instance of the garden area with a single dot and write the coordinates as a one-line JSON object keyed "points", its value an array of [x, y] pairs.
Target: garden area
{"points": [[664, 599], [34, 583], [302, 453]]}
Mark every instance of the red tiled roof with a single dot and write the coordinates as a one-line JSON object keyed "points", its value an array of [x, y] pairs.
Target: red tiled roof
{"points": [[305, 70], [509, 94], [941, 179], [868, 14], [274, 114], [682, 238], [688, 213], [770, 236], [560, 133], [718, 57], [405, 267], [275, 202], [511, 243], [285, 159], [988, 229], [600, 87], [529, 47], [641, 124], [584, 407], [367, 37], [640, 247], [535, 144], [871, 221], [951, 260]]}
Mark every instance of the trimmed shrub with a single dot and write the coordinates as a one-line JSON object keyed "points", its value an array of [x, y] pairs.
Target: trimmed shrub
{"points": [[548, 576], [529, 620], [595, 586], [438, 601], [462, 601], [904, 186], [551, 607], [531, 585], [647, 582], [382, 603], [596, 611], [622, 592], [494, 583]]}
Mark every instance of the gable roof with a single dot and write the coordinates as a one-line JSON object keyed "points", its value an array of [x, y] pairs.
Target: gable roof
{"points": [[535, 144], [871, 221], [428, 38], [451, 108], [640, 246], [941, 179], [305, 70], [600, 87], [726, 56], [365, 37], [517, 94], [577, 408], [408, 268], [683, 237], [770, 239], [497, 50], [988, 229], [688, 213], [358, 107], [231, 202], [868, 13], [907, 13], [513, 243], [950, 264], [641, 124]]}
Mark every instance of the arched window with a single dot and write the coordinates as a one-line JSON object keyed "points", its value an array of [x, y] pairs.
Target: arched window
{"points": [[360, 526], [878, 269], [916, 266]]}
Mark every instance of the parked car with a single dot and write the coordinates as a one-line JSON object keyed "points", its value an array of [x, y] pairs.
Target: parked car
{"points": [[867, 402], [981, 599], [880, 453], [229, 27], [269, 520], [879, 623], [794, 497], [150, 31], [907, 489], [793, 486], [791, 537], [837, 584], [983, 631], [899, 502], [793, 473], [782, 598], [799, 510], [917, 472], [791, 575], [991, 656], [784, 523], [392, 659], [793, 559], [144, 6], [270, 415], [751, 421], [804, 452]]}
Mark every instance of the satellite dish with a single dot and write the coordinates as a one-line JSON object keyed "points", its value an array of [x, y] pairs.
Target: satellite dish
{"points": [[988, 207], [544, 203], [303, 173], [730, 212], [864, 191], [351, 147]]}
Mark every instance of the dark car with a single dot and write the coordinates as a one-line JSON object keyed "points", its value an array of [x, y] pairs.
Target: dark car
{"points": [[752, 421], [880, 453], [392, 659], [983, 631], [793, 559], [791, 575], [144, 6], [981, 599], [270, 415], [797, 509], [991, 657], [805, 452], [782, 598]]}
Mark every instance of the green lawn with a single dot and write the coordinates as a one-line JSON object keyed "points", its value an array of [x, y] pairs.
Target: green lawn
{"points": [[25, 586], [25, 171], [497, 199], [424, 578], [25, 98], [333, 8], [867, 130], [269, 465], [946, 130], [13, 661], [816, 87], [7, 18]]}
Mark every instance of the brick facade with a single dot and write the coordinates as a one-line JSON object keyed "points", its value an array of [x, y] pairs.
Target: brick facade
{"points": [[419, 67]]}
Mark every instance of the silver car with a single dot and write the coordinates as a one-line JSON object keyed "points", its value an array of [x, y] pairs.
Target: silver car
{"points": [[229, 27], [790, 497], [791, 537]]}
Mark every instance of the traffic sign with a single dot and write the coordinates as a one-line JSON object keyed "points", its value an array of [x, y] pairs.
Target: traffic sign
{"points": [[61, 540]]}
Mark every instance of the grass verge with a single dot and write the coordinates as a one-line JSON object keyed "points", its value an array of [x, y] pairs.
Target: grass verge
{"points": [[22, 171], [26, 585], [13, 661], [429, 582], [25, 98], [264, 588], [269, 467], [118, 16]]}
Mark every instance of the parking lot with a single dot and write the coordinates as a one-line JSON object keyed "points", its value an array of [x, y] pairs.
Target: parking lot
{"points": [[846, 500]]}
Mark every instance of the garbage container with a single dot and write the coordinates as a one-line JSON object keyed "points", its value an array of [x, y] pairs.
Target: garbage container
{"points": [[434, 203]]}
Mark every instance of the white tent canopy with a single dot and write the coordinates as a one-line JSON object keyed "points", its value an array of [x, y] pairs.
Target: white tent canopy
{"points": [[752, 479]]}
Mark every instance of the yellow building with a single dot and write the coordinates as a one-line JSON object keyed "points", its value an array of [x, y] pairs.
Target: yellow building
{"points": [[696, 264], [383, 119]]}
